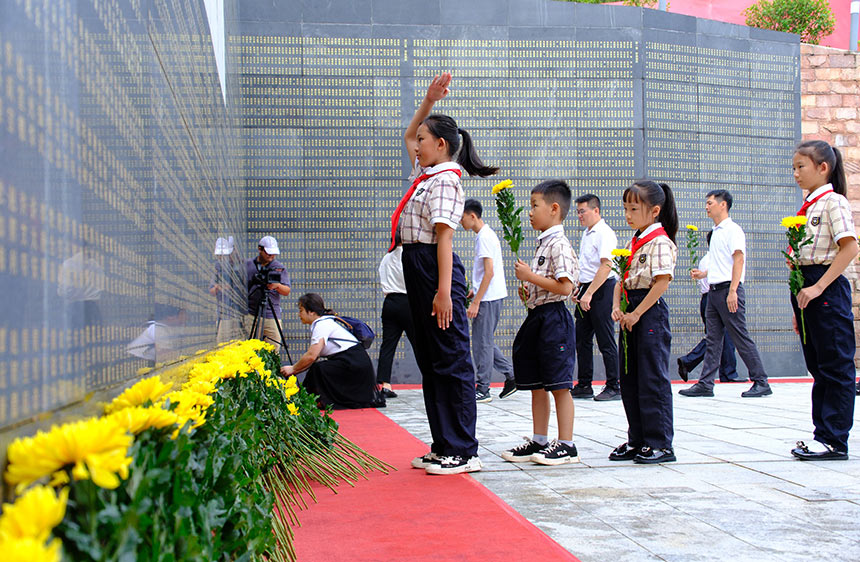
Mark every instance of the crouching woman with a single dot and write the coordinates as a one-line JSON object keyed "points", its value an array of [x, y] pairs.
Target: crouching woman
{"points": [[339, 370]]}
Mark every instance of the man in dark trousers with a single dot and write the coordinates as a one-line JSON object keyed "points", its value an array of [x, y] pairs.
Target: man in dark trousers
{"points": [[593, 313], [726, 302]]}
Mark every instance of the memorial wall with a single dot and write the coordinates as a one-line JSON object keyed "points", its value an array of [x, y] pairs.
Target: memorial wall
{"points": [[135, 133], [120, 165], [597, 95]]}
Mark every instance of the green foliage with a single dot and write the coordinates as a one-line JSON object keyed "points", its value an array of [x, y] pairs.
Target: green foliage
{"points": [[509, 216], [811, 19]]}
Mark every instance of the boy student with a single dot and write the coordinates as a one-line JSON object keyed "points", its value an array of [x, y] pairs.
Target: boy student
{"points": [[487, 293], [594, 313], [545, 346]]}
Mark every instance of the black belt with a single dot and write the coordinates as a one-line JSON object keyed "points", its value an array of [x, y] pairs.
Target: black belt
{"points": [[720, 286]]}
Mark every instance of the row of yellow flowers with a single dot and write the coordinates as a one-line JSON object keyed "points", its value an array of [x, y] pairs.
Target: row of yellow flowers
{"points": [[98, 448]]}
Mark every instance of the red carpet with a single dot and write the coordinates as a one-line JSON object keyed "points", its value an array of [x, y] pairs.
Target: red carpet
{"points": [[409, 515]]}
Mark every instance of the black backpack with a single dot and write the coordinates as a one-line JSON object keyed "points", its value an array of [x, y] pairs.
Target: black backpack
{"points": [[358, 328]]}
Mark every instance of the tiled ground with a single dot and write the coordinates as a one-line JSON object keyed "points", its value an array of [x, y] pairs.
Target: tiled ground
{"points": [[735, 492]]}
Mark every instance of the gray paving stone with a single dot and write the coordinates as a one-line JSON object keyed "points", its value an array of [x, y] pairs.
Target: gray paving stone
{"points": [[734, 494]]}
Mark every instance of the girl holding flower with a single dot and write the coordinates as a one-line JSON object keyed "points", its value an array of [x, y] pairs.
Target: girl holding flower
{"points": [[646, 392], [825, 298]]}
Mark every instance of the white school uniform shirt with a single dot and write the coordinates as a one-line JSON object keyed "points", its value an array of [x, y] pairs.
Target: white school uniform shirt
{"points": [[727, 238], [596, 244], [704, 265], [336, 337], [391, 272], [487, 245]]}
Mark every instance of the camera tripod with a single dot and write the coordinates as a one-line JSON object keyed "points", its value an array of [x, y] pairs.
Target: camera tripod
{"points": [[259, 318]]}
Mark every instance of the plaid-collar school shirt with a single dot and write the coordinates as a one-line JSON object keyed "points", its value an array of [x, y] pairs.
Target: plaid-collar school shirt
{"points": [[828, 220], [438, 199], [554, 258], [656, 257]]}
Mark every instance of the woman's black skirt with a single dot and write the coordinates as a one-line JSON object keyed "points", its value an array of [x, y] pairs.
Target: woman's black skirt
{"points": [[344, 380]]}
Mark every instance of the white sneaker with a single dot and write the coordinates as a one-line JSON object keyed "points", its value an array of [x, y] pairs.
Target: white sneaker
{"points": [[455, 465], [426, 460]]}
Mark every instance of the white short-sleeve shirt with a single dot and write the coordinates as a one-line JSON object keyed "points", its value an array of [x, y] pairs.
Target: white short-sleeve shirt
{"points": [[336, 337], [391, 272], [704, 265], [727, 238], [596, 244], [487, 245]]}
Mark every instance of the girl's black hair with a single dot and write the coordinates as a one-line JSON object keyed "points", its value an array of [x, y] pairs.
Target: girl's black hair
{"points": [[443, 127], [652, 194], [312, 302], [398, 240], [819, 151]]}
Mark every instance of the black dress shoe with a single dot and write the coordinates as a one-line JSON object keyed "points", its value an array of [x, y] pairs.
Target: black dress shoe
{"points": [[654, 456], [820, 452], [729, 379], [682, 370], [858, 389], [757, 389], [388, 393], [697, 389], [624, 452]]}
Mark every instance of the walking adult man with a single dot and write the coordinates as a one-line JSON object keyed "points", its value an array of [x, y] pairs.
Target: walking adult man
{"points": [[726, 301], [594, 311]]}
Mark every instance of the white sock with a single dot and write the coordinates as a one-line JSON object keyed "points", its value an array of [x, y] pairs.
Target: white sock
{"points": [[540, 439], [568, 443]]}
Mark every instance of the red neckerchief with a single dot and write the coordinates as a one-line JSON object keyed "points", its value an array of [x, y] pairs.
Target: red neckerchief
{"points": [[637, 244], [808, 204], [395, 218]]}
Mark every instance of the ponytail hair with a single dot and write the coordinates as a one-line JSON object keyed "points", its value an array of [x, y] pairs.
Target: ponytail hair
{"points": [[445, 128], [653, 194], [312, 302], [819, 151]]}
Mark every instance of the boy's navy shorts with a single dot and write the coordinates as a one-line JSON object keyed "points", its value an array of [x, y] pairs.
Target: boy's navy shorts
{"points": [[544, 351]]}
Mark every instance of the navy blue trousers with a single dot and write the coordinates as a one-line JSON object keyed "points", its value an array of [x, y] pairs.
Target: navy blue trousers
{"points": [[645, 388], [597, 322], [829, 355], [728, 361], [447, 376]]}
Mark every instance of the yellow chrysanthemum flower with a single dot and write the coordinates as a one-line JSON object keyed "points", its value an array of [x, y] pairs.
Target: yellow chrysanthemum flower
{"points": [[793, 221], [502, 185], [34, 515], [294, 411], [97, 447], [138, 419], [621, 252], [150, 389], [693, 227], [29, 550]]}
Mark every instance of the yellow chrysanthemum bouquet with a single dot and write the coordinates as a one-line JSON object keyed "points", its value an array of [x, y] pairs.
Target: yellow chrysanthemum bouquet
{"points": [[620, 265], [693, 245], [795, 231], [509, 216]]}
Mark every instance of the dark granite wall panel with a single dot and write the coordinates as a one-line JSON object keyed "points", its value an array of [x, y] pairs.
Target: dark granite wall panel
{"points": [[598, 95]]}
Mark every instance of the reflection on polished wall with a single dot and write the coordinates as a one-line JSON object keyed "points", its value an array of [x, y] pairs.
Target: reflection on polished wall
{"points": [[119, 169]]}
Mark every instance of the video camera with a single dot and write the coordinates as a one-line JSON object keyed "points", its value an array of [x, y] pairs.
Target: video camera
{"points": [[267, 275]]}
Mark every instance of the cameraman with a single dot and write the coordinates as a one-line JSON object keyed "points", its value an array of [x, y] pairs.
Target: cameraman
{"points": [[266, 270]]}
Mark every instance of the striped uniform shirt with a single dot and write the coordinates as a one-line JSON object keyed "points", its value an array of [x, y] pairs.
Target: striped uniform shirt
{"points": [[828, 220], [656, 257], [438, 199], [554, 258]]}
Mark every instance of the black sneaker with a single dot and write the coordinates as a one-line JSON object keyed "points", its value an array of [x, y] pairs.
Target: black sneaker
{"points": [[608, 393], [555, 453], [524, 452], [455, 465], [483, 397], [509, 388], [388, 393], [582, 391], [858, 389], [426, 460]]}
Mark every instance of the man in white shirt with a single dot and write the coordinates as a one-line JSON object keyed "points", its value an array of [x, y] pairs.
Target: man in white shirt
{"points": [[593, 313], [726, 303], [487, 292]]}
